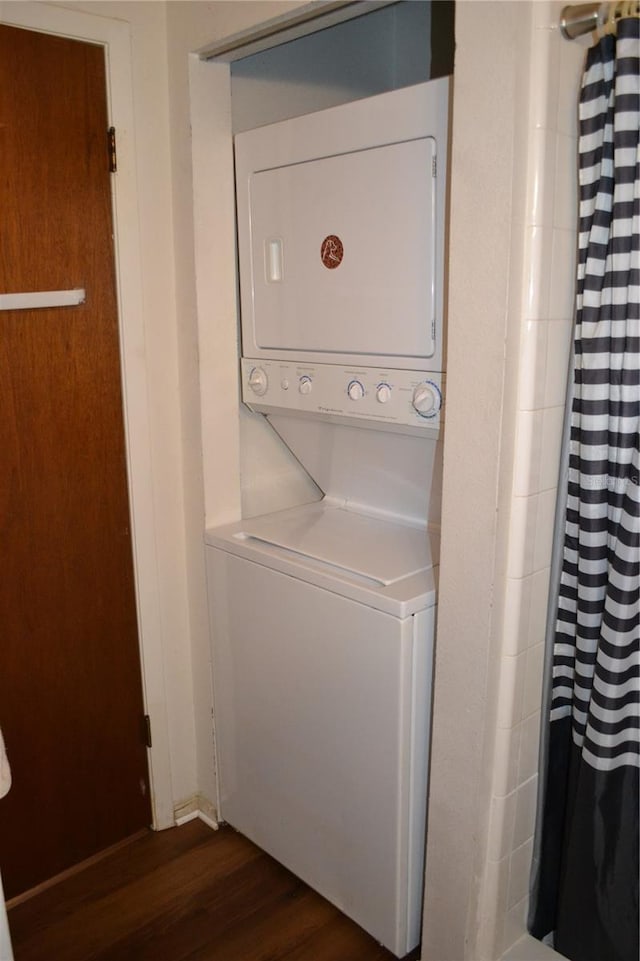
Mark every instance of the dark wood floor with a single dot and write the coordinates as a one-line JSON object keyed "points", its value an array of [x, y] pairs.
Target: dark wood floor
{"points": [[186, 894]]}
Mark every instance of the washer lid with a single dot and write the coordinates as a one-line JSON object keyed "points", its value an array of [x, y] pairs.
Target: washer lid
{"points": [[383, 564], [380, 550]]}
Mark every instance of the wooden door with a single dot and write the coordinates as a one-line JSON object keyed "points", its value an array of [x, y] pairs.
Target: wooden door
{"points": [[71, 705]]}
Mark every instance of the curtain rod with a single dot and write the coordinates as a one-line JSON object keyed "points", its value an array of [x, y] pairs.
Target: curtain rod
{"points": [[578, 19]]}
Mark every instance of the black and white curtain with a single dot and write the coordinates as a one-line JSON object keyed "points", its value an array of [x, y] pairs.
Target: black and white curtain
{"points": [[584, 897]]}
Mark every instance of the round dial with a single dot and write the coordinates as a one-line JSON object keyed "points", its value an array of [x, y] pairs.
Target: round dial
{"points": [[427, 399], [355, 390], [383, 393], [304, 385], [258, 381]]}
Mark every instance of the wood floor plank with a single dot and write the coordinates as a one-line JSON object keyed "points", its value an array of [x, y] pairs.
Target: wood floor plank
{"points": [[187, 894], [209, 918], [337, 940], [136, 903], [270, 933], [140, 857]]}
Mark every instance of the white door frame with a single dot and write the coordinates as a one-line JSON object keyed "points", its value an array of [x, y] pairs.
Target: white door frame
{"points": [[114, 35]]}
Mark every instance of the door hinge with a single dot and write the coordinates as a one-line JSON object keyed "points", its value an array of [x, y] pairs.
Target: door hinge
{"points": [[111, 145], [147, 730], [434, 167]]}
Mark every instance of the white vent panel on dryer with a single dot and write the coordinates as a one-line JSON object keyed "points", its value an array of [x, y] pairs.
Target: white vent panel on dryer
{"points": [[343, 253]]}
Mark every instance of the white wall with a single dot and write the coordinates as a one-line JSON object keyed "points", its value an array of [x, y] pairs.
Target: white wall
{"points": [[147, 22], [513, 254], [541, 302], [490, 46]]}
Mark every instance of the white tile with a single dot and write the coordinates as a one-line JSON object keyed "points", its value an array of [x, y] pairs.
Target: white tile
{"points": [[531, 533], [542, 167], [562, 286], [533, 365], [517, 613], [512, 678], [522, 536], [522, 163], [544, 527], [565, 190], [559, 334], [519, 235], [529, 744], [538, 607], [532, 689], [493, 907], [571, 66], [528, 452], [552, 424], [519, 871], [525, 821], [506, 760], [540, 15], [536, 272], [544, 15], [544, 78], [515, 925], [501, 823], [568, 98]]}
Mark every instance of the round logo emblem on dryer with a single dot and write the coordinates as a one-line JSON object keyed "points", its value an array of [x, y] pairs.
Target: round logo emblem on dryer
{"points": [[331, 252]]}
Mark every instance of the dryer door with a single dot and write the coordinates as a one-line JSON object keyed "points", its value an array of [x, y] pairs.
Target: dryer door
{"points": [[343, 253]]}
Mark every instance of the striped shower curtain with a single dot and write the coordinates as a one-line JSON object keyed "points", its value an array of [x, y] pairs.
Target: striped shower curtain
{"points": [[584, 897]]}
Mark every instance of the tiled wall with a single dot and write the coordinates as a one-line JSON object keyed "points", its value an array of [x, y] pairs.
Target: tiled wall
{"points": [[541, 297]]}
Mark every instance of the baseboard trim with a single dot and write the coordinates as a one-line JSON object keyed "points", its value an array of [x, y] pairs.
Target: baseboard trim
{"points": [[197, 806], [208, 821]]}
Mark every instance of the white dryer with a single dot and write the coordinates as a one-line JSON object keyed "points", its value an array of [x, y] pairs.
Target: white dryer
{"points": [[323, 616]]}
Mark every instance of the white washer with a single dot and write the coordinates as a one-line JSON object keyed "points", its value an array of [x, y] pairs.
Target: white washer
{"points": [[323, 622]]}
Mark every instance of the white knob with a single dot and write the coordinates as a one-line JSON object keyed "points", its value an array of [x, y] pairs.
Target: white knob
{"points": [[426, 399], [258, 381], [355, 390], [383, 393], [305, 385]]}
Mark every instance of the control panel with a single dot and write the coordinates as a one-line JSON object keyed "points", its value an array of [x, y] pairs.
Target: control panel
{"points": [[397, 398]]}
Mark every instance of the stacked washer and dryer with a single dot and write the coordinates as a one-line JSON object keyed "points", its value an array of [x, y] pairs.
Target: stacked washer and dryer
{"points": [[323, 615]]}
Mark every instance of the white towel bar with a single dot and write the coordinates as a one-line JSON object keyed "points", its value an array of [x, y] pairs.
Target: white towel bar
{"points": [[43, 298]]}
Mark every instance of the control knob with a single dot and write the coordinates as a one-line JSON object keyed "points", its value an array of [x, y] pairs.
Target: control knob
{"points": [[355, 390], [383, 393], [427, 399], [304, 385], [258, 381]]}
